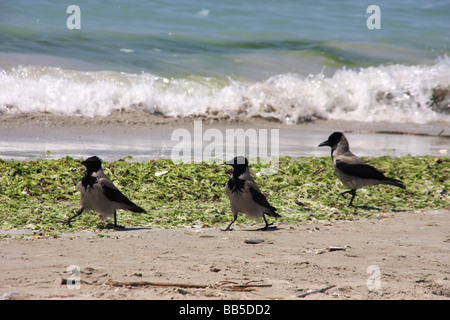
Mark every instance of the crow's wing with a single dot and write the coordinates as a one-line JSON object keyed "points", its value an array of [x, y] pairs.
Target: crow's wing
{"points": [[260, 199], [360, 170], [112, 193]]}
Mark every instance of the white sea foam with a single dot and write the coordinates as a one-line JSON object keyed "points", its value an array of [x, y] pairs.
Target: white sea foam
{"points": [[395, 93]]}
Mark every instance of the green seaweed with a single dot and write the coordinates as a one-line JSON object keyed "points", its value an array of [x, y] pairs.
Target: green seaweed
{"points": [[38, 195]]}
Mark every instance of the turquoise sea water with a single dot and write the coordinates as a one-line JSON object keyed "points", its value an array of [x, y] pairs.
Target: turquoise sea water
{"points": [[290, 60]]}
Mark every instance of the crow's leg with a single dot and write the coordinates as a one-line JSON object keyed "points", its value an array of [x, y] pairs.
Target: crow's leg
{"points": [[67, 222]]}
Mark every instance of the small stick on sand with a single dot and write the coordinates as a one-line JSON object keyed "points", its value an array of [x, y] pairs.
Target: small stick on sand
{"points": [[157, 284], [315, 291]]}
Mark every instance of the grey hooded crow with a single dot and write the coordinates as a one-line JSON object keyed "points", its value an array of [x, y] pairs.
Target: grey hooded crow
{"points": [[351, 170], [245, 195], [98, 193]]}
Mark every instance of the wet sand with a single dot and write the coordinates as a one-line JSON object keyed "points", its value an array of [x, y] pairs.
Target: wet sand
{"points": [[144, 137]]}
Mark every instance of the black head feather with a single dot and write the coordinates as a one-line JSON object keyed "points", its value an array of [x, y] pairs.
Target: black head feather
{"points": [[92, 164], [239, 165], [333, 139]]}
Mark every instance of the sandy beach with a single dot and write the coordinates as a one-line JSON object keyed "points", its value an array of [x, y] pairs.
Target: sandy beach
{"points": [[408, 253], [408, 250]]}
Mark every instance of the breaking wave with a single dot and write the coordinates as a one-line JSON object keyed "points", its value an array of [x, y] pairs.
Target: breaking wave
{"points": [[393, 93]]}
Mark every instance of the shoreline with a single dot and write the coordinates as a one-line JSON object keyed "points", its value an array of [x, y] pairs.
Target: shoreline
{"points": [[145, 136]]}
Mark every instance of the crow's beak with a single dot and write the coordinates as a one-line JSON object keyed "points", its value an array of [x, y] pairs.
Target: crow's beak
{"points": [[325, 143]]}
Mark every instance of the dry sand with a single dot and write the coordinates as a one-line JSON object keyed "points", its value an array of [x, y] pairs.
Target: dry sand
{"points": [[411, 250]]}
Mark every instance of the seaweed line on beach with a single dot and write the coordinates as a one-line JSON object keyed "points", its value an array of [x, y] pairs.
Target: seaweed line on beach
{"points": [[36, 195]]}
